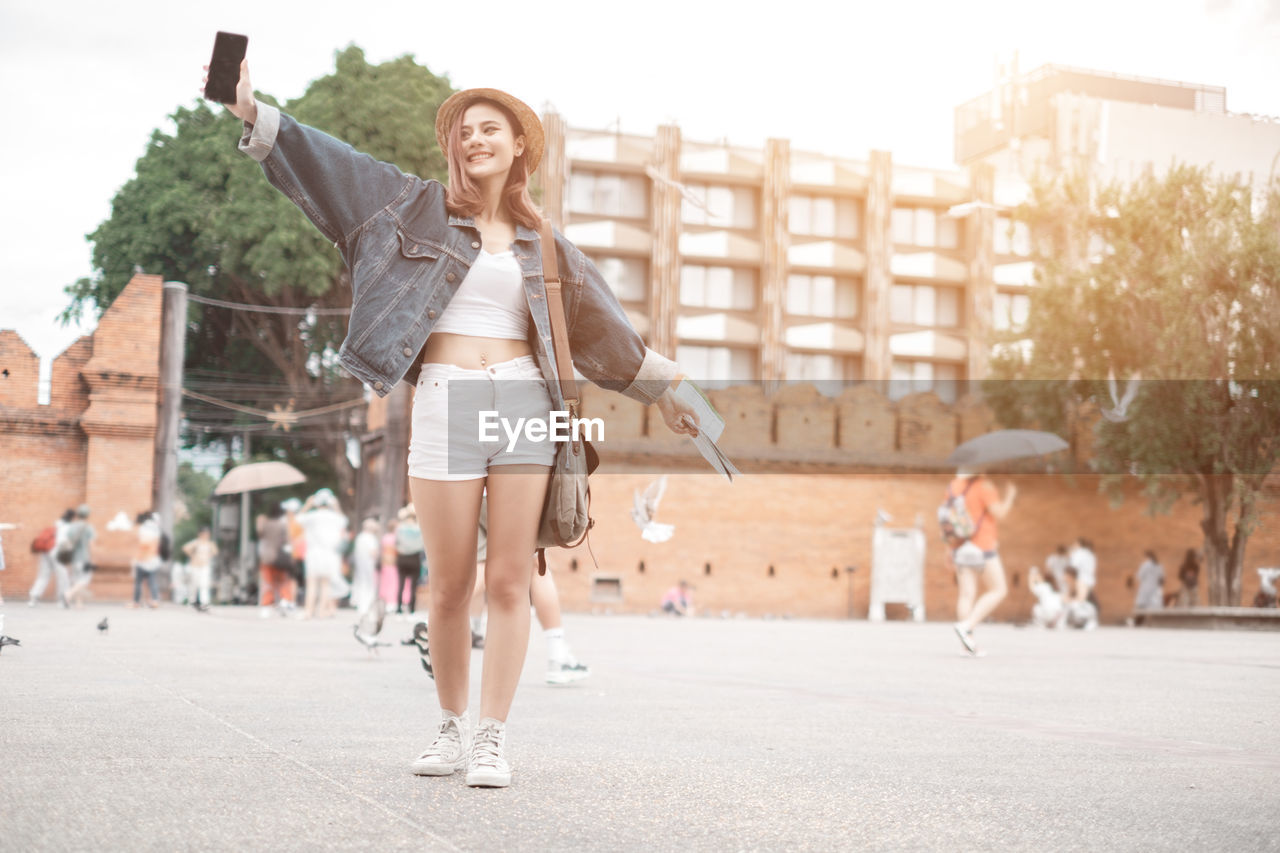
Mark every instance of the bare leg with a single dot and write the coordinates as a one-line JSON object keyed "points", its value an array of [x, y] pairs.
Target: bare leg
{"points": [[312, 595], [997, 589], [515, 506], [546, 600], [449, 514], [968, 580]]}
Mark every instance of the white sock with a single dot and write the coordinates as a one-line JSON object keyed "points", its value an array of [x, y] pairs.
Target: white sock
{"points": [[557, 648]]}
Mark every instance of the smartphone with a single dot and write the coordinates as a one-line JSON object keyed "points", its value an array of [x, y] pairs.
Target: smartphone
{"points": [[224, 67]]}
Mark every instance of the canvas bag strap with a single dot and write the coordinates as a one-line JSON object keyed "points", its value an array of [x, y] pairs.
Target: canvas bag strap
{"points": [[559, 328]]}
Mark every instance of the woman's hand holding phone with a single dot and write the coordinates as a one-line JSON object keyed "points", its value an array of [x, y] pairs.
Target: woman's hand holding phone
{"points": [[246, 107]]}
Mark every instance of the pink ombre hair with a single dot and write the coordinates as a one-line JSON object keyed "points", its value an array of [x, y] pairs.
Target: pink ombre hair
{"points": [[462, 195]]}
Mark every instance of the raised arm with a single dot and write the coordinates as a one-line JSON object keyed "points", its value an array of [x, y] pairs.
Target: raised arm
{"points": [[337, 187], [612, 354]]}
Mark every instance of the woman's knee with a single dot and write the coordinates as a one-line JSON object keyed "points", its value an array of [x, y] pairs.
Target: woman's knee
{"points": [[509, 590], [450, 594]]}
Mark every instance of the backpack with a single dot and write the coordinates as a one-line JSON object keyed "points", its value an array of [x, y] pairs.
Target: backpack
{"points": [[408, 539], [166, 547], [44, 541], [958, 527]]}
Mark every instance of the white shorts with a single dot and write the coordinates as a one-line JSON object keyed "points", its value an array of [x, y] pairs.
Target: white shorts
{"points": [[445, 442]]}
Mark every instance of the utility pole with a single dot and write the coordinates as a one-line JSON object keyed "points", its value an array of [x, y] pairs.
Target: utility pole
{"points": [[246, 559], [173, 343]]}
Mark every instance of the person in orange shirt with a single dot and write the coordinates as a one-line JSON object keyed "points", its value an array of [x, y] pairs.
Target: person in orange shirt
{"points": [[980, 554]]}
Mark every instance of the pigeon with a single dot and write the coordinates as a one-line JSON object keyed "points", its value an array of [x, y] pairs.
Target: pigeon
{"points": [[370, 643], [102, 626], [1119, 412], [370, 625], [645, 507], [8, 641]]}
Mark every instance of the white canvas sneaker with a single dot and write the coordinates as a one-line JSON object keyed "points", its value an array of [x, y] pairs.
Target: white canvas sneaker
{"points": [[487, 768], [448, 752], [566, 671]]}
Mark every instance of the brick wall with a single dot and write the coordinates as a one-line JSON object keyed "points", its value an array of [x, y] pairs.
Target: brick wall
{"points": [[93, 443], [809, 527], [818, 469]]}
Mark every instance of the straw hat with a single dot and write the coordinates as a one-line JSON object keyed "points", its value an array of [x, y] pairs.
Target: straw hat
{"points": [[530, 125]]}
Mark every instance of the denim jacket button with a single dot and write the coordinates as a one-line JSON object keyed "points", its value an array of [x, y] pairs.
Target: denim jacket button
{"points": [[408, 351], [431, 315], [377, 386], [450, 277], [475, 245]]}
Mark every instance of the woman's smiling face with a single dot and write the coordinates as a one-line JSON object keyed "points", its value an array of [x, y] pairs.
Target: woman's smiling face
{"points": [[489, 144]]}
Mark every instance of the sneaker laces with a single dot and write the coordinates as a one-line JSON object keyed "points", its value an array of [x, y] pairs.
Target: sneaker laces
{"points": [[486, 746], [448, 741]]}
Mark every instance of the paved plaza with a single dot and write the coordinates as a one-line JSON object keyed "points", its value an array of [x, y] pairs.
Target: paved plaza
{"points": [[224, 731]]}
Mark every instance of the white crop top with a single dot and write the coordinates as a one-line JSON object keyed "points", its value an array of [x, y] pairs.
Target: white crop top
{"points": [[490, 302]]}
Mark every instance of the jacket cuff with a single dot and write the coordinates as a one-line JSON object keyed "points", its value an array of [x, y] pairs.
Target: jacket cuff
{"points": [[654, 376], [259, 139]]}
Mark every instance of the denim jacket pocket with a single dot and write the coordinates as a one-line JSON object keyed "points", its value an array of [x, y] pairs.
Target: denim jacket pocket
{"points": [[414, 247]]}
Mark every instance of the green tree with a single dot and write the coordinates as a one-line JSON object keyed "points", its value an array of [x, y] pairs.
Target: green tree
{"points": [[199, 211], [1175, 280], [195, 490]]}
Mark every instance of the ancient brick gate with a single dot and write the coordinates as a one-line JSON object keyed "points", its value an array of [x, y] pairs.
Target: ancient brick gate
{"points": [[94, 442]]}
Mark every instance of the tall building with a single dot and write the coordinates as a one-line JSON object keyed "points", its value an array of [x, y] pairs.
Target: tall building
{"points": [[1115, 126], [776, 264]]}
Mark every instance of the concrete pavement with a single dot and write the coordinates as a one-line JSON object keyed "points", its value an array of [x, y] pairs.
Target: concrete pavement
{"points": [[182, 731]]}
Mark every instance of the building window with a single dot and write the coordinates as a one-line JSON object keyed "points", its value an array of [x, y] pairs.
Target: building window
{"points": [[914, 377], [1011, 311], [822, 216], [720, 206], [925, 305], [820, 367], [728, 288], [822, 296], [628, 278], [1012, 238], [924, 226], [712, 366], [608, 194]]}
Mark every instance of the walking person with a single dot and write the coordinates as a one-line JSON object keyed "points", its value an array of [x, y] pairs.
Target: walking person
{"points": [[978, 557], [408, 558], [200, 553], [364, 566], [78, 555], [275, 561], [451, 296], [146, 560], [1150, 584], [1189, 577], [50, 565], [388, 572], [324, 529]]}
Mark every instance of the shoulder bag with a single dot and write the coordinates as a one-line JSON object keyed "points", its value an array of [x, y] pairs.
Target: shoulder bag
{"points": [[566, 517]]}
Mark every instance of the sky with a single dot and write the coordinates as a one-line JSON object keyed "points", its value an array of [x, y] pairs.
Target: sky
{"points": [[85, 83]]}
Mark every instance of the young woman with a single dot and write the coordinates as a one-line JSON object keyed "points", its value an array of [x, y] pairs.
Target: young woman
{"points": [[448, 293], [979, 557]]}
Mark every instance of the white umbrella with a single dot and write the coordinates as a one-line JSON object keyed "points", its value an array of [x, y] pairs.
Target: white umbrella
{"points": [[1003, 445], [258, 475]]}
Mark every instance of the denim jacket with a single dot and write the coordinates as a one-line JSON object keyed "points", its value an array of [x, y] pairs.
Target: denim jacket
{"points": [[407, 256]]}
